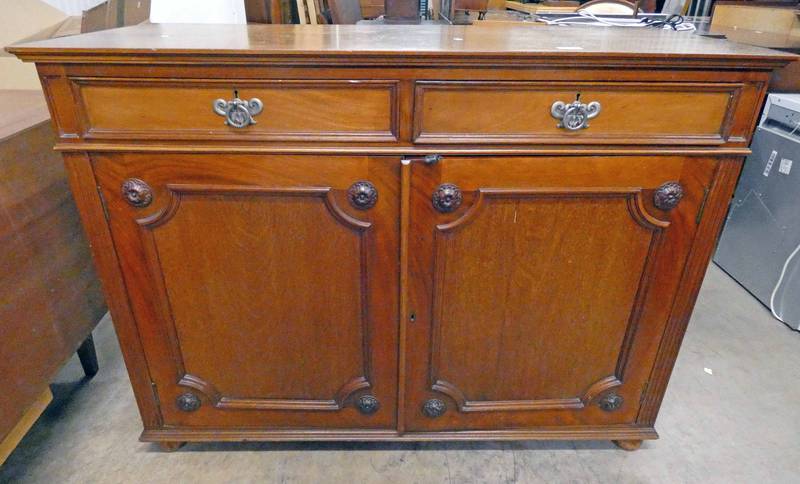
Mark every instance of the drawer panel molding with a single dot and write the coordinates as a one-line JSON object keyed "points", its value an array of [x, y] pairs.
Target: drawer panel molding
{"points": [[520, 112], [185, 109]]}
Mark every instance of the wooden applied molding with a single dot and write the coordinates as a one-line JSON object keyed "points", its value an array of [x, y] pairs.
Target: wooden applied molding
{"points": [[350, 435], [177, 191], [395, 151], [405, 313], [223, 402]]}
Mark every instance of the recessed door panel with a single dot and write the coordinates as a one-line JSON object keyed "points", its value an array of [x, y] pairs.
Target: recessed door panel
{"points": [[494, 337], [288, 316]]}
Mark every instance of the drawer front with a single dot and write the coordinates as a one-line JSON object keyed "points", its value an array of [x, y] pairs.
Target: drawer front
{"points": [[293, 110], [521, 112]]}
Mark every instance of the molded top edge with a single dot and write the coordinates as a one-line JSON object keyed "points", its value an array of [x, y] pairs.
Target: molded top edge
{"points": [[327, 43]]}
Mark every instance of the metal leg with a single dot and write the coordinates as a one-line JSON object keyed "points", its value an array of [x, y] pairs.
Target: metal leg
{"points": [[88, 357]]}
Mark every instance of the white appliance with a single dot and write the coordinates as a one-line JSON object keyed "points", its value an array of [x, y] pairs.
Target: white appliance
{"points": [[760, 244]]}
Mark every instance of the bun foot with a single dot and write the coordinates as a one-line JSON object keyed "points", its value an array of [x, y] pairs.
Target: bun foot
{"points": [[171, 446], [628, 445]]}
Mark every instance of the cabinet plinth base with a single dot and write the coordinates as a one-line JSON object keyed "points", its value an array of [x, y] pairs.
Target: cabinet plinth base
{"points": [[182, 435]]}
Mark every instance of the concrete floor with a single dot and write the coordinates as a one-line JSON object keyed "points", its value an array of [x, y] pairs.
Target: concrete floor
{"points": [[731, 414]]}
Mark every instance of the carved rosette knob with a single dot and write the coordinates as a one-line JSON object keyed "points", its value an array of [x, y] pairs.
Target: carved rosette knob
{"points": [[137, 193], [363, 195], [447, 198], [188, 402], [668, 195], [610, 402], [368, 404], [434, 408], [575, 115]]}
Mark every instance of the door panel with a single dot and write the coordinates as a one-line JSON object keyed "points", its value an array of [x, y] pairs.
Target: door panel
{"points": [[536, 241], [542, 296], [255, 281]]}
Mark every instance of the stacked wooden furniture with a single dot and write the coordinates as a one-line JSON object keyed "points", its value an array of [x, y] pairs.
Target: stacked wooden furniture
{"points": [[401, 233], [50, 298]]}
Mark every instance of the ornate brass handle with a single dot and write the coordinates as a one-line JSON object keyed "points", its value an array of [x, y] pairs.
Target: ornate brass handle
{"points": [[575, 115], [238, 113]]}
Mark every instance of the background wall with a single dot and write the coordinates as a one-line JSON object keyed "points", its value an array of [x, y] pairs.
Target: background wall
{"points": [[73, 7], [21, 19]]}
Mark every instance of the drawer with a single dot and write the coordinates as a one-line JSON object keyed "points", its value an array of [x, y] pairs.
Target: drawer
{"points": [[520, 112], [292, 110]]}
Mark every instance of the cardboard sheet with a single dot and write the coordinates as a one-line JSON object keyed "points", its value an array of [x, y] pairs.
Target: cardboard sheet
{"points": [[198, 11]]}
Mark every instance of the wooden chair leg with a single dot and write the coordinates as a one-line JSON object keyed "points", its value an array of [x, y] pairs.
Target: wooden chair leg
{"points": [[88, 356]]}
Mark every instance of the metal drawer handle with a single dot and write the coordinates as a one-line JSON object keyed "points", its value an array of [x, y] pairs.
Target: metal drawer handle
{"points": [[575, 115], [238, 113]]}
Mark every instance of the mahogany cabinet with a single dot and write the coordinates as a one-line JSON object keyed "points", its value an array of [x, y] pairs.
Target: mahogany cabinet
{"points": [[401, 233]]}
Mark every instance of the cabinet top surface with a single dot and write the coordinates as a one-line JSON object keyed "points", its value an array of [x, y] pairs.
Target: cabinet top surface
{"points": [[395, 41]]}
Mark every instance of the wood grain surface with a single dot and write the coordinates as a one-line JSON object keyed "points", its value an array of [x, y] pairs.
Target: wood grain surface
{"points": [[253, 39]]}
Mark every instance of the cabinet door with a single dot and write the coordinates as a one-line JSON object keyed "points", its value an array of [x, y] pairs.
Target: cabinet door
{"points": [[264, 288], [539, 288]]}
